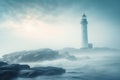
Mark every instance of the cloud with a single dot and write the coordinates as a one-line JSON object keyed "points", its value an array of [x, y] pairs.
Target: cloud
{"points": [[47, 20]]}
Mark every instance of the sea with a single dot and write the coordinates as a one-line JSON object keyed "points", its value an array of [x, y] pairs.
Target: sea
{"points": [[100, 66]]}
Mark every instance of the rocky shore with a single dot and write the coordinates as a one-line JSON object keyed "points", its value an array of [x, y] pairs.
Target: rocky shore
{"points": [[11, 71]]}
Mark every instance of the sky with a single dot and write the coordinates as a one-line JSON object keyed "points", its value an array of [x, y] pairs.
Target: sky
{"points": [[34, 24]]}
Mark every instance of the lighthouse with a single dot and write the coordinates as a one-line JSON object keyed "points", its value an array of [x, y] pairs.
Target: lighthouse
{"points": [[84, 32]]}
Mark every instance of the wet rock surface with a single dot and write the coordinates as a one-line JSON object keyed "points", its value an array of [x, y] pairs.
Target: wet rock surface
{"points": [[8, 74], [11, 71]]}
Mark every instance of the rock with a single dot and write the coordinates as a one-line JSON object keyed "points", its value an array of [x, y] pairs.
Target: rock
{"points": [[39, 71], [10, 71], [32, 56], [3, 63], [16, 67], [8, 74]]}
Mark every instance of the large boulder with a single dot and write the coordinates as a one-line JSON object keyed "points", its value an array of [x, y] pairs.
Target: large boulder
{"points": [[10, 71], [8, 74], [39, 71]]}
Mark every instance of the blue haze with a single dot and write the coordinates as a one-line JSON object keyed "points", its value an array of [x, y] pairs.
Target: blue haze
{"points": [[103, 18]]}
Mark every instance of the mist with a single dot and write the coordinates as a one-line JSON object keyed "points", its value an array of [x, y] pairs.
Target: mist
{"points": [[95, 63], [46, 34], [56, 24]]}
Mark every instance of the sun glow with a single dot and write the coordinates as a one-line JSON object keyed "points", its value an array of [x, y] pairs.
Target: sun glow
{"points": [[33, 28]]}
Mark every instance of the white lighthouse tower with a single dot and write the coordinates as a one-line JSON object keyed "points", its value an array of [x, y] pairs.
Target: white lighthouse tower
{"points": [[84, 33]]}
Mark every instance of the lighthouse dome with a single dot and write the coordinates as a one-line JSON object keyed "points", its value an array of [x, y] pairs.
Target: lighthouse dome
{"points": [[84, 16]]}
